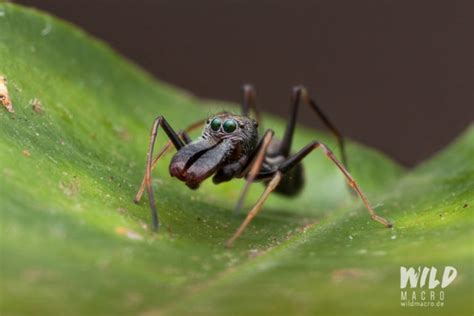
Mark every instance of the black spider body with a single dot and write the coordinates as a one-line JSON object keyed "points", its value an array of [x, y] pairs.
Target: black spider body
{"points": [[230, 147]]}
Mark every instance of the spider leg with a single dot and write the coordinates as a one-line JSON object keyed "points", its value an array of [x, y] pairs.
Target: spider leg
{"points": [[162, 151], [295, 159], [255, 164], [300, 93], [249, 101], [181, 134], [185, 137], [257, 207], [178, 144], [286, 166]]}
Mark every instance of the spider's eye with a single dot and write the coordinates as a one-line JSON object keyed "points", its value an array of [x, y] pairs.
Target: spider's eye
{"points": [[216, 124], [229, 126]]}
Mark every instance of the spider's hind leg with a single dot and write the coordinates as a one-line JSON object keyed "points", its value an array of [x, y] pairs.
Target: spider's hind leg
{"points": [[300, 93], [299, 156], [277, 181]]}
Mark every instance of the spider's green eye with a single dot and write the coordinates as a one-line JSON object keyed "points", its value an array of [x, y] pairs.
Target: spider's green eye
{"points": [[229, 126], [216, 124]]}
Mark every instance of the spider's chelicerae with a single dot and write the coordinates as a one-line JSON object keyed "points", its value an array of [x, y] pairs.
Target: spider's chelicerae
{"points": [[230, 147]]}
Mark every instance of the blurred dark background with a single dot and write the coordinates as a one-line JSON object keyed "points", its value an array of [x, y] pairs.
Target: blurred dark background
{"points": [[396, 75]]}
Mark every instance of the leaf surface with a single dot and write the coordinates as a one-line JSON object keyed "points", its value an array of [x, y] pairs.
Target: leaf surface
{"points": [[72, 241]]}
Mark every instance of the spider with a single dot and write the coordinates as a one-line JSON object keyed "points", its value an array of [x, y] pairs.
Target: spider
{"points": [[229, 147]]}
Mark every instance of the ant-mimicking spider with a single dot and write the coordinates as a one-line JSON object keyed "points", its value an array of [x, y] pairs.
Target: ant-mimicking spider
{"points": [[229, 148]]}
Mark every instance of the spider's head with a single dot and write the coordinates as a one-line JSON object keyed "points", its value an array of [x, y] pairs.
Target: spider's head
{"points": [[226, 138], [241, 130]]}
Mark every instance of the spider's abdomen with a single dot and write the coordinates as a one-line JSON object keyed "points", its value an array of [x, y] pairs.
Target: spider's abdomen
{"points": [[292, 182]]}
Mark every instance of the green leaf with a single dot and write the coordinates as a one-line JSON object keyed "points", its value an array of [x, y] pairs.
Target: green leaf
{"points": [[72, 241]]}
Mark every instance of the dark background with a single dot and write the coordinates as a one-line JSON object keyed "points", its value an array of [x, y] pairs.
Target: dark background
{"points": [[396, 75]]}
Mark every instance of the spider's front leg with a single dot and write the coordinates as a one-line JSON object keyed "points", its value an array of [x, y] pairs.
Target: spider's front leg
{"points": [[178, 144], [181, 134]]}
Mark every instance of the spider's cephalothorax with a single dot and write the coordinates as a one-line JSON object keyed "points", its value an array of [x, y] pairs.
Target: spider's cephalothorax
{"points": [[230, 147], [222, 149]]}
